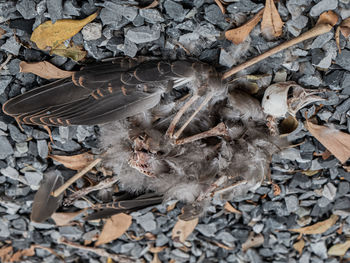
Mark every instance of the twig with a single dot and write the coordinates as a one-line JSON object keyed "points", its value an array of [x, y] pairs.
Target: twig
{"points": [[313, 32], [101, 185], [6, 61], [63, 187], [99, 251]]}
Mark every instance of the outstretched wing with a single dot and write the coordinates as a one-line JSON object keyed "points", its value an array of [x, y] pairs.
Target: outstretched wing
{"points": [[99, 93]]}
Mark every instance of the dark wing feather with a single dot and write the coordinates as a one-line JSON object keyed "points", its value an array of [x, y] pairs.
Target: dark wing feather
{"points": [[98, 93]]}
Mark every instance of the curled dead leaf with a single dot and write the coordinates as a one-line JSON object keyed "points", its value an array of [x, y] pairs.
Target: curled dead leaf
{"points": [[114, 228], [221, 6], [228, 207], [52, 35], [329, 17], [5, 253], [345, 27], [253, 241], [183, 229], [239, 34], [337, 142], [29, 252], [339, 249], [44, 69], [74, 162], [299, 246], [276, 189], [73, 51], [317, 228], [271, 24], [152, 5], [62, 219]]}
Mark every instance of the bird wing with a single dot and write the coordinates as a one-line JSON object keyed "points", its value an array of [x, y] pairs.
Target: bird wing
{"points": [[98, 93]]}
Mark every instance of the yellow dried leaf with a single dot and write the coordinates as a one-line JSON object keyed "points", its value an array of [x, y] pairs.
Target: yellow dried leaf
{"points": [[239, 34], [339, 249], [271, 24], [317, 228], [231, 209], [51, 35], [114, 228], [299, 246], [253, 241], [329, 17], [345, 27], [337, 142], [44, 69], [74, 162], [183, 229], [73, 51], [62, 219]]}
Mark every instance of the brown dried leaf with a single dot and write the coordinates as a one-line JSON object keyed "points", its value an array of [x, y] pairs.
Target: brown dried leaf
{"points": [[157, 249], [337, 38], [339, 249], [156, 259], [5, 253], [62, 219], [152, 5], [337, 142], [44, 69], [73, 51], [231, 209], [317, 228], [253, 241], [299, 246], [345, 27], [329, 17], [2, 32], [271, 24], [221, 6], [52, 35], [74, 162], [239, 34], [183, 229], [114, 228], [276, 189], [29, 252]]}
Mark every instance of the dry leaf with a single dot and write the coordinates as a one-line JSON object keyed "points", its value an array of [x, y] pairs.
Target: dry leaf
{"points": [[239, 34], [51, 35], [183, 229], [276, 189], [29, 252], [299, 246], [171, 206], [329, 17], [253, 241], [310, 172], [345, 27], [317, 228], [157, 249], [2, 32], [114, 228], [73, 51], [5, 253], [337, 142], [221, 6], [62, 219], [339, 249], [74, 162], [152, 5], [271, 24], [44, 69], [231, 209]]}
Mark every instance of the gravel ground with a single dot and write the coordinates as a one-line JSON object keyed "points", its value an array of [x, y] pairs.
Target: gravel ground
{"points": [[311, 188]]}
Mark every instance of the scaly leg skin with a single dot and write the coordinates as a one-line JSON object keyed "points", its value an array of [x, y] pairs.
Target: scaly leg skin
{"points": [[205, 102], [218, 130], [179, 114]]}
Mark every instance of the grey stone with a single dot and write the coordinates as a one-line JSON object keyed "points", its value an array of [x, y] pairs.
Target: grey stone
{"points": [[321, 40], [16, 135], [125, 248], [71, 232], [333, 79], [41, 7], [329, 191], [43, 150], [295, 26], [242, 7], [323, 6], [138, 21], [292, 203], [19, 224], [343, 188], [341, 109], [180, 254], [33, 179], [11, 46], [257, 228], [26, 8], [10, 172], [147, 222], [69, 9], [161, 240], [129, 48], [207, 230], [342, 203], [226, 59], [143, 34], [4, 229], [343, 59], [345, 85], [225, 237], [311, 80], [151, 15], [297, 7], [55, 9], [175, 10], [214, 15], [22, 147], [129, 12], [92, 31], [5, 148], [323, 202], [319, 249], [111, 18]]}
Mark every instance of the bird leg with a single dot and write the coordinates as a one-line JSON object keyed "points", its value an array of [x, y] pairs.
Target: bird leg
{"points": [[171, 128], [218, 130]]}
